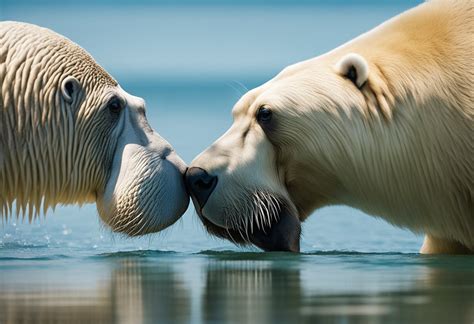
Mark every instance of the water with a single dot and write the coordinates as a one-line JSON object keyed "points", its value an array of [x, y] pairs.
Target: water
{"points": [[191, 63], [226, 286]]}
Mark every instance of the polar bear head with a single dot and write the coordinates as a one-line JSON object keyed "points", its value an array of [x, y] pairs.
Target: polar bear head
{"points": [[70, 134], [284, 153]]}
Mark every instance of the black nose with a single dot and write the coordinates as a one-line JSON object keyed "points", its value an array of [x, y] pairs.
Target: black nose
{"points": [[200, 184]]}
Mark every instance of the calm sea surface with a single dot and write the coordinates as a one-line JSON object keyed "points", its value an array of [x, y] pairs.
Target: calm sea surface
{"points": [[191, 63]]}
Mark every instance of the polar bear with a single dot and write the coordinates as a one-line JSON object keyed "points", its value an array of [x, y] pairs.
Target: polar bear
{"points": [[70, 134], [383, 123]]}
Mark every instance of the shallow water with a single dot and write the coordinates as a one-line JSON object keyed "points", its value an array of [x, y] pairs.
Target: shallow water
{"points": [[217, 286], [67, 267]]}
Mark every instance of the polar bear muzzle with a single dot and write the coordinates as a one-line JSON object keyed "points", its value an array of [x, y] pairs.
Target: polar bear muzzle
{"points": [[237, 192]]}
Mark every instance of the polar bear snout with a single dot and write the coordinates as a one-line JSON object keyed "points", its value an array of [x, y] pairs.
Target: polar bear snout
{"points": [[200, 185], [238, 194]]}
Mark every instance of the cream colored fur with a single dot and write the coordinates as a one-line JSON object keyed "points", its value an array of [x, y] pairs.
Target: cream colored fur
{"points": [[61, 143], [397, 145], [38, 151]]}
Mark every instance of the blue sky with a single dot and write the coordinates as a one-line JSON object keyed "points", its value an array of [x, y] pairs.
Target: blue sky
{"points": [[158, 39], [213, 2]]}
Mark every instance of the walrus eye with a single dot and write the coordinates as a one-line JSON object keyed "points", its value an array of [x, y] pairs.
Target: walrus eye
{"points": [[264, 115], [115, 107]]}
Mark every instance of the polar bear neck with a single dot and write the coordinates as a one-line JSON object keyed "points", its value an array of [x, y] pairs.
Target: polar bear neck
{"points": [[414, 168], [412, 158]]}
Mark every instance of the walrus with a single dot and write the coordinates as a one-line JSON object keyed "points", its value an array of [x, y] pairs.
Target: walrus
{"points": [[69, 134]]}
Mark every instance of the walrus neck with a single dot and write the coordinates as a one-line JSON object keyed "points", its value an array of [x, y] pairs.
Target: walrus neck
{"points": [[32, 171]]}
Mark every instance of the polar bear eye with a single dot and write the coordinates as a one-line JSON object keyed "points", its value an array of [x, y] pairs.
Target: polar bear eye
{"points": [[264, 115], [114, 106]]}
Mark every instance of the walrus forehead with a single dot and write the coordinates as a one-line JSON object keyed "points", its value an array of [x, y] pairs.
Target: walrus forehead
{"points": [[56, 48], [84, 66]]}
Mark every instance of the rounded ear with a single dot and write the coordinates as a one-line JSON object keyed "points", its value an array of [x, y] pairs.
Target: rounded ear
{"points": [[70, 88], [354, 67]]}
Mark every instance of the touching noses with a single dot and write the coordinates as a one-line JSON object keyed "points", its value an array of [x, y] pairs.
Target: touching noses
{"points": [[200, 185]]}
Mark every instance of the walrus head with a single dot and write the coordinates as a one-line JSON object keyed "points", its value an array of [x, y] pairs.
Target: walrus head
{"points": [[70, 134]]}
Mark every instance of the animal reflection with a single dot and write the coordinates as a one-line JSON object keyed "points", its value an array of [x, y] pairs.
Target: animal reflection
{"points": [[135, 291], [249, 289]]}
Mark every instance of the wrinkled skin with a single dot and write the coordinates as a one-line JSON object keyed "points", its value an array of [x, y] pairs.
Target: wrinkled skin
{"points": [[70, 134]]}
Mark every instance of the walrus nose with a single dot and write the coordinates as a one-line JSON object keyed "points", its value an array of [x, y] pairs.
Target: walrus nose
{"points": [[200, 184]]}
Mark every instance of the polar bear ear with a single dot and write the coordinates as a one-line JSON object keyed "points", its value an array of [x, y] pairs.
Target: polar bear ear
{"points": [[70, 88], [354, 67]]}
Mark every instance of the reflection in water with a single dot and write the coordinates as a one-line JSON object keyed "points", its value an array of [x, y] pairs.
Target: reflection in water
{"points": [[142, 291], [239, 287], [55, 306], [251, 291], [132, 293], [262, 292]]}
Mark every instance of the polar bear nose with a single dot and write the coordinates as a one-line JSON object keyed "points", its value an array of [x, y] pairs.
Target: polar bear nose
{"points": [[200, 184]]}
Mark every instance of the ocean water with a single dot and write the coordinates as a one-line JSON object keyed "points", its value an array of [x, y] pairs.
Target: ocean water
{"points": [[191, 62]]}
